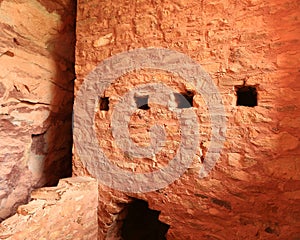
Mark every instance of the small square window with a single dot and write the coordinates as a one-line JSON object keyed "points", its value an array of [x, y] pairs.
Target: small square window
{"points": [[184, 100], [142, 102], [246, 96], [104, 103]]}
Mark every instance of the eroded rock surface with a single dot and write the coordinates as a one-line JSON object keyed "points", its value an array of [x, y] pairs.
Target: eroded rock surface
{"points": [[68, 211], [36, 94]]}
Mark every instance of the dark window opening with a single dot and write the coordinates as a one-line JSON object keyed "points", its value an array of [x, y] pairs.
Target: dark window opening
{"points": [[142, 102], [246, 96], [184, 100], [141, 223], [104, 103]]}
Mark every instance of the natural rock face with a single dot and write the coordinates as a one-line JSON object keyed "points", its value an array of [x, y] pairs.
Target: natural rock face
{"points": [[58, 212], [36, 94], [253, 191]]}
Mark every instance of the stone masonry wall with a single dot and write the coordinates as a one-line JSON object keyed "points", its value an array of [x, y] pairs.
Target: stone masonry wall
{"points": [[36, 96], [253, 191]]}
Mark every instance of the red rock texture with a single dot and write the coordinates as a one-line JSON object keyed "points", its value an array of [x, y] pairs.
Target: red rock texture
{"points": [[58, 212], [253, 191], [36, 95]]}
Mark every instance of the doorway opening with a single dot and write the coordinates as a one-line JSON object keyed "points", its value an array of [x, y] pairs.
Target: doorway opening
{"points": [[142, 223]]}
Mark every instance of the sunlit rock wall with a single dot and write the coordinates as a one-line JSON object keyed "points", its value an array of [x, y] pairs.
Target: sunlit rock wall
{"points": [[67, 211], [253, 191]]}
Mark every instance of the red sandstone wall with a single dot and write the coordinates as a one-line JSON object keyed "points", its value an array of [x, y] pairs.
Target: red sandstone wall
{"points": [[68, 211], [36, 94], [253, 192]]}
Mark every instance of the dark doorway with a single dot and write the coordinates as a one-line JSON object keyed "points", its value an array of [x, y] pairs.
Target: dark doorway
{"points": [[141, 223]]}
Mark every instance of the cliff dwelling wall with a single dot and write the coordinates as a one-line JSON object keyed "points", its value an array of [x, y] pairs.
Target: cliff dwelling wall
{"points": [[230, 66], [250, 49]]}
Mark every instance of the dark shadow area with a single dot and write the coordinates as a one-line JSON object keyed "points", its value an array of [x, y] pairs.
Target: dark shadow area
{"points": [[184, 100], [142, 102], [246, 96], [58, 162], [142, 223], [104, 103]]}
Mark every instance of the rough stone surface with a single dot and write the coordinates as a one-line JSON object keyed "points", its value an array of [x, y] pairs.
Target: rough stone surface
{"points": [[253, 192], [36, 94], [68, 211]]}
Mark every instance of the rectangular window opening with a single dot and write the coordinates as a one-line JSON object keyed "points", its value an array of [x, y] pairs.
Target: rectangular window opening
{"points": [[246, 96], [142, 102], [104, 103]]}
